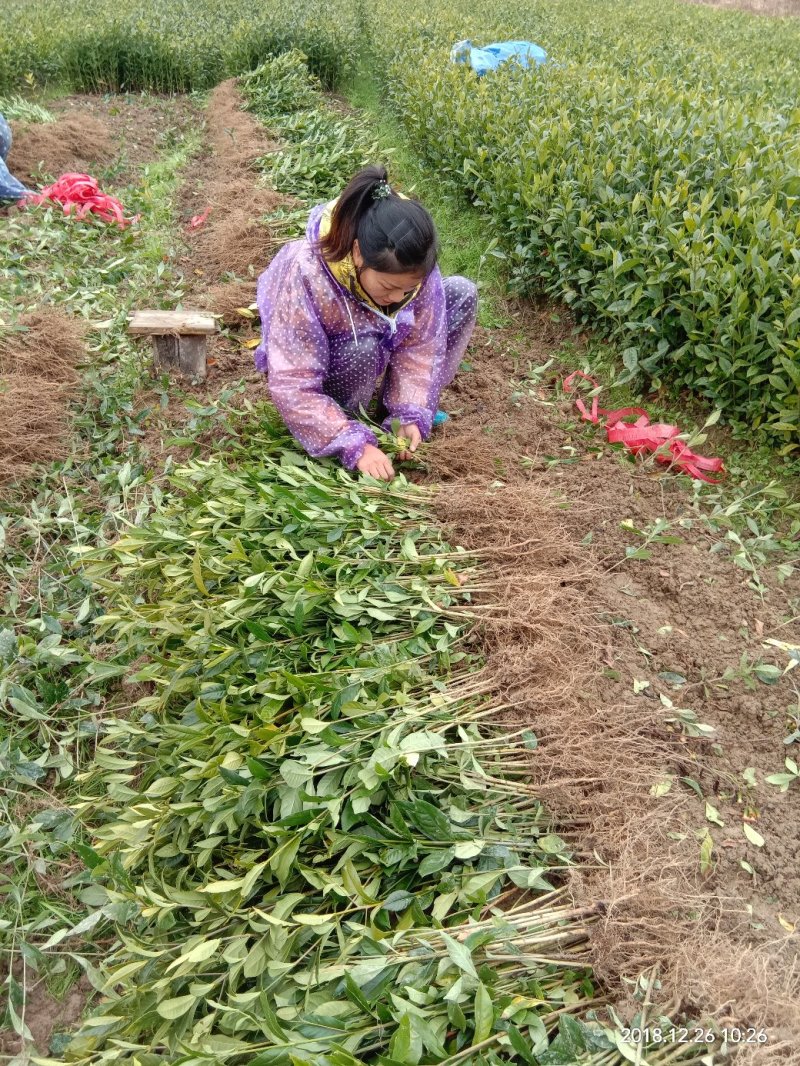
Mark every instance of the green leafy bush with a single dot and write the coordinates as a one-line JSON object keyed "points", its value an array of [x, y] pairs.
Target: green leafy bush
{"points": [[322, 148], [648, 176], [164, 45]]}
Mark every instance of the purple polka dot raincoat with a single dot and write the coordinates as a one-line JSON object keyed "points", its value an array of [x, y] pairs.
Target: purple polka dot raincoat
{"points": [[324, 350]]}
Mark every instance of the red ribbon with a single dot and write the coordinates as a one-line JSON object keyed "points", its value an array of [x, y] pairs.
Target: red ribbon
{"points": [[643, 436], [82, 193]]}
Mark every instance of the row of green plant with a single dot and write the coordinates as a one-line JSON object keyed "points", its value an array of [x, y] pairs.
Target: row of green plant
{"points": [[289, 822], [54, 682], [321, 148], [647, 175], [163, 45]]}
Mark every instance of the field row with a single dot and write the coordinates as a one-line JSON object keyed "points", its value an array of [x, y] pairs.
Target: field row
{"points": [[648, 175]]}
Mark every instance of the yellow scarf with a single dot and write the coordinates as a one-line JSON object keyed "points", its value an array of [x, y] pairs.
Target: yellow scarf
{"points": [[344, 270]]}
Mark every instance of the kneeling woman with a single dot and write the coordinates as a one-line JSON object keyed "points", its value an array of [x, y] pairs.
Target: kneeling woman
{"points": [[361, 298]]}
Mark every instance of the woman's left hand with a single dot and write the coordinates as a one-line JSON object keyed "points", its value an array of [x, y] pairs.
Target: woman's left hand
{"points": [[413, 436]]}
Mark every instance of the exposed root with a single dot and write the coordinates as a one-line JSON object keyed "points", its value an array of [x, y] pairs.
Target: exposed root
{"points": [[598, 753], [33, 423], [38, 358], [227, 300]]}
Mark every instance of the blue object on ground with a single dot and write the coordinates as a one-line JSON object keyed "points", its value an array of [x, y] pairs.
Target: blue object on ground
{"points": [[440, 418], [10, 188], [492, 56]]}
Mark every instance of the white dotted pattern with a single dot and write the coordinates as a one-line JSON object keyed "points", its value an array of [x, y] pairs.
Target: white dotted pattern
{"points": [[324, 352]]}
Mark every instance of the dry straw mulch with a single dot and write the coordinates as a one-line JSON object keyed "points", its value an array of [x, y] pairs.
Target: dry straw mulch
{"points": [[38, 358], [235, 239]]}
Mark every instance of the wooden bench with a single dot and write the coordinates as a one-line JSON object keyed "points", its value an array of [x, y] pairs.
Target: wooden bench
{"points": [[179, 339]]}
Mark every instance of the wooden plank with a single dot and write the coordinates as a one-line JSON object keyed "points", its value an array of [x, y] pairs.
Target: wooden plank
{"points": [[185, 356], [176, 322]]}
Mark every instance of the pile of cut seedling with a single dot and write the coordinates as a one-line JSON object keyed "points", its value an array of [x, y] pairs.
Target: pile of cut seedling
{"points": [[314, 845]]}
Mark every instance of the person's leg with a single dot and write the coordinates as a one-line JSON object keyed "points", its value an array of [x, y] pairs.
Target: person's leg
{"points": [[10, 188], [461, 307], [5, 138]]}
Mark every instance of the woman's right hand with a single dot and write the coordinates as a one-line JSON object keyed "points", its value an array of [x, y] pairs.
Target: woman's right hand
{"points": [[375, 463]]}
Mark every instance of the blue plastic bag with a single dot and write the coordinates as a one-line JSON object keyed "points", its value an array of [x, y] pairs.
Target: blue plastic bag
{"points": [[493, 55]]}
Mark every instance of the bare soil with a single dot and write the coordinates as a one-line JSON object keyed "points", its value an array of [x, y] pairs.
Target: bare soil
{"points": [[574, 628], [45, 1015], [97, 135]]}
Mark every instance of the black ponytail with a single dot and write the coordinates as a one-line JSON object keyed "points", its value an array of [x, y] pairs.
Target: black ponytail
{"points": [[395, 235]]}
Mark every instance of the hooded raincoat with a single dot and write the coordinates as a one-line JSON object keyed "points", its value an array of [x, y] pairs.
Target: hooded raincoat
{"points": [[325, 345]]}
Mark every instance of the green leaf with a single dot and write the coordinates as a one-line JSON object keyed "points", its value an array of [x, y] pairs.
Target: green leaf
{"points": [[521, 1046], [661, 788], [630, 358], [216, 888], [484, 1015], [197, 573], [8, 645], [753, 835], [706, 849], [405, 1045], [459, 954], [89, 856], [766, 672], [552, 844], [712, 814], [429, 820], [199, 953], [398, 900], [530, 739], [672, 677], [435, 861], [468, 849], [176, 1008]]}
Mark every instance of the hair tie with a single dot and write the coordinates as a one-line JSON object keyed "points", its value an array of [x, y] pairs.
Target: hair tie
{"points": [[381, 191], [399, 232]]}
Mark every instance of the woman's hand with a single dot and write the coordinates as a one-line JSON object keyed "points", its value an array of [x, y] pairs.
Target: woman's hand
{"points": [[375, 463], [413, 436]]}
